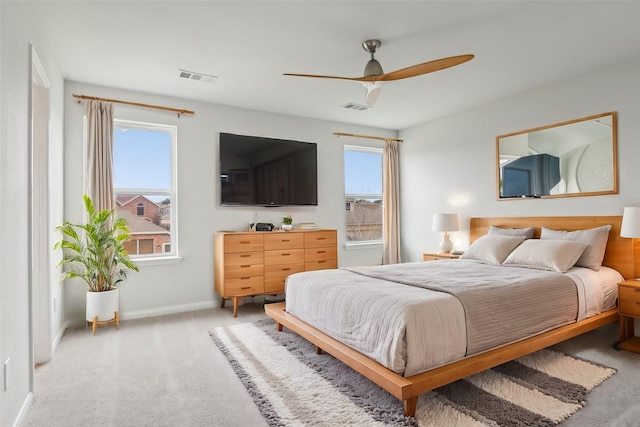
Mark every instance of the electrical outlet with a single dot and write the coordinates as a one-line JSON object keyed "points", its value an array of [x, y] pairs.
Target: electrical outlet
{"points": [[6, 373]]}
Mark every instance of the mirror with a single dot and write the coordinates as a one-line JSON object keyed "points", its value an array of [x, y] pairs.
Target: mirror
{"points": [[574, 158]]}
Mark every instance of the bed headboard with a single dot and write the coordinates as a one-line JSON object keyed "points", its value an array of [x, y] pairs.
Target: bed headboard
{"points": [[621, 254]]}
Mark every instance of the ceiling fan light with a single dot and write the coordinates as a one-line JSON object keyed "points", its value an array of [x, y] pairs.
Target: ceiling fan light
{"points": [[373, 92], [373, 68]]}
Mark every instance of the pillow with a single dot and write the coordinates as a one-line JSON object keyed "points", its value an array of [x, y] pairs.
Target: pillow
{"points": [[596, 238], [553, 255], [492, 249], [526, 232]]}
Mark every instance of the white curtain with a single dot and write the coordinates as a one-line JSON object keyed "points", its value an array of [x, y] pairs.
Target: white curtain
{"points": [[99, 162], [391, 202]]}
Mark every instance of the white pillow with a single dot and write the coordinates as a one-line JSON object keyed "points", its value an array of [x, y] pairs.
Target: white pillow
{"points": [[553, 255], [595, 238], [526, 232], [492, 249]]}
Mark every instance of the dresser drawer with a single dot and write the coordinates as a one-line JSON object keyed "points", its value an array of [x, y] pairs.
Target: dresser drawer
{"points": [[320, 265], [244, 270], [275, 276], [285, 256], [320, 254], [315, 239], [283, 240], [629, 301], [243, 243], [243, 258], [244, 286]]}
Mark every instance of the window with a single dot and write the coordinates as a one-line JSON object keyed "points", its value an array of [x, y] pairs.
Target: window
{"points": [[363, 193], [144, 183]]}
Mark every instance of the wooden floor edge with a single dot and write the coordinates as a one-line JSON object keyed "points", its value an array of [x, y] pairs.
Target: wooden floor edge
{"points": [[408, 388]]}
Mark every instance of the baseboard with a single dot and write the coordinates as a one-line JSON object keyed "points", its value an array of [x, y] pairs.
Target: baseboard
{"points": [[24, 410], [139, 314]]}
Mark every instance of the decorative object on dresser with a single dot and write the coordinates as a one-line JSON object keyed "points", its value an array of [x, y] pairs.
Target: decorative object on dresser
{"points": [[94, 252], [250, 263], [629, 310], [287, 223], [427, 256], [445, 223]]}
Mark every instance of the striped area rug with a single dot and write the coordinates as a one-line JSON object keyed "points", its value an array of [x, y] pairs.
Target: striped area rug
{"points": [[294, 386]]}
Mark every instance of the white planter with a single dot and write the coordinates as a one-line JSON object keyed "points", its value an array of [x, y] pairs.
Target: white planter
{"points": [[287, 227], [102, 304]]}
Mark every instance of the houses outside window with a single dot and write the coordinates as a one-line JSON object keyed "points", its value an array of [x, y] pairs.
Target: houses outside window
{"points": [[363, 194], [145, 186]]}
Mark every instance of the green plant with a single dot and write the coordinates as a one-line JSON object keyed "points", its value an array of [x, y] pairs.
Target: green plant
{"points": [[94, 251], [287, 219]]}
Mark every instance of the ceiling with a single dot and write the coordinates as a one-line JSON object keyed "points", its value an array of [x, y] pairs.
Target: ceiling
{"points": [[248, 45]]}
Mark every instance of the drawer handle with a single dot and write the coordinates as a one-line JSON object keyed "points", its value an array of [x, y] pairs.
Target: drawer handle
{"points": [[245, 278], [286, 269], [286, 254], [321, 262], [321, 238], [321, 252], [246, 287], [285, 240], [245, 256], [245, 266], [245, 242]]}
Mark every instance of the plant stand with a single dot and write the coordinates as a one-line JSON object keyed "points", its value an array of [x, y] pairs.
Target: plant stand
{"points": [[95, 323]]}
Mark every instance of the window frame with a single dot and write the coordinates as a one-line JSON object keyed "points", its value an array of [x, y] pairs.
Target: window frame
{"points": [[360, 244], [172, 192]]}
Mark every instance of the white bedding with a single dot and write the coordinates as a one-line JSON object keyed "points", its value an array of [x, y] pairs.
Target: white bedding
{"points": [[382, 319]]}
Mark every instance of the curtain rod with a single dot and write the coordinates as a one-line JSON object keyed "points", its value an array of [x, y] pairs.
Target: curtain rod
{"points": [[137, 104], [354, 135]]}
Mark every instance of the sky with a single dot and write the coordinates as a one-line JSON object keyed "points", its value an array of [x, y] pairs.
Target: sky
{"points": [[142, 159], [363, 172]]}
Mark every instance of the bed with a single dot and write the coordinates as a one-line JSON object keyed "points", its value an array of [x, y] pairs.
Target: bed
{"points": [[406, 377]]}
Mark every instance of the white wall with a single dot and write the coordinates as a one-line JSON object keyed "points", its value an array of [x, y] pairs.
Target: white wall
{"points": [[158, 289], [449, 165], [18, 30]]}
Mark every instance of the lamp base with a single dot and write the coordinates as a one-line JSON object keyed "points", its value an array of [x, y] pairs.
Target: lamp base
{"points": [[445, 244]]}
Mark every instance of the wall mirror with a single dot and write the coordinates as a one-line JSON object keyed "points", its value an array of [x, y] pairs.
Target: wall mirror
{"points": [[569, 159]]}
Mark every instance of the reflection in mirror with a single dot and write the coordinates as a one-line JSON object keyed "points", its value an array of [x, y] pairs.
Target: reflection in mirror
{"points": [[575, 158]]}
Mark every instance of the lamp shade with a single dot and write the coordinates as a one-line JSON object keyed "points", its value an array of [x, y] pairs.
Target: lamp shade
{"points": [[445, 222], [630, 223]]}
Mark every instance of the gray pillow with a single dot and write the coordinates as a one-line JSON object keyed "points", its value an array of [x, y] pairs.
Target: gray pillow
{"points": [[595, 238], [526, 232]]}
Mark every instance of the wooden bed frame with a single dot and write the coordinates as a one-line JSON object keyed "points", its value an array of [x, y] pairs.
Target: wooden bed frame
{"points": [[620, 255]]}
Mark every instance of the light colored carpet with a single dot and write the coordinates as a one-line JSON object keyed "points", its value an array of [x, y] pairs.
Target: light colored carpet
{"points": [[292, 385], [184, 380]]}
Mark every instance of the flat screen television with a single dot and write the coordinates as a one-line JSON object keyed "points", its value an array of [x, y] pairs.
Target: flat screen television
{"points": [[259, 171]]}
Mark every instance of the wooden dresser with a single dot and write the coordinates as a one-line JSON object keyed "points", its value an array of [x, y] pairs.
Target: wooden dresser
{"points": [[256, 263]]}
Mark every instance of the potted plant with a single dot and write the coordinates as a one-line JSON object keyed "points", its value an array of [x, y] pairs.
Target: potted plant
{"points": [[94, 252], [287, 223]]}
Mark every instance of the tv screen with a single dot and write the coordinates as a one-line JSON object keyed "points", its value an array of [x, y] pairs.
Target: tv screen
{"points": [[267, 171]]}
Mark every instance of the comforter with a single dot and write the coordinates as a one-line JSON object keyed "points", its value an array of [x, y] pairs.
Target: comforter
{"points": [[413, 317]]}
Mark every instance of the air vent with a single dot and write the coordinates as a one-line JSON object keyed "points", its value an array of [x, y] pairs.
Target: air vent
{"points": [[205, 78], [354, 106]]}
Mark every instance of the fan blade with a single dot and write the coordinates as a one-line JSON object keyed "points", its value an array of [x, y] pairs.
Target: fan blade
{"points": [[424, 68], [323, 77]]}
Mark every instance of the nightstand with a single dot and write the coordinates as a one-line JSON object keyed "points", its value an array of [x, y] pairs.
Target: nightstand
{"points": [[437, 256], [629, 310]]}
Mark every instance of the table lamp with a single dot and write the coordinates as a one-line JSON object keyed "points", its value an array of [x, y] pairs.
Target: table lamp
{"points": [[445, 223], [631, 223]]}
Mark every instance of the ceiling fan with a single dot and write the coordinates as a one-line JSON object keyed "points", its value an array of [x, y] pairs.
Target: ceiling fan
{"points": [[374, 77]]}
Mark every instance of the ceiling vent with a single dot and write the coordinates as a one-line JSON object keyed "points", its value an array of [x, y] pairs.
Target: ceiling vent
{"points": [[205, 78], [354, 106]]}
